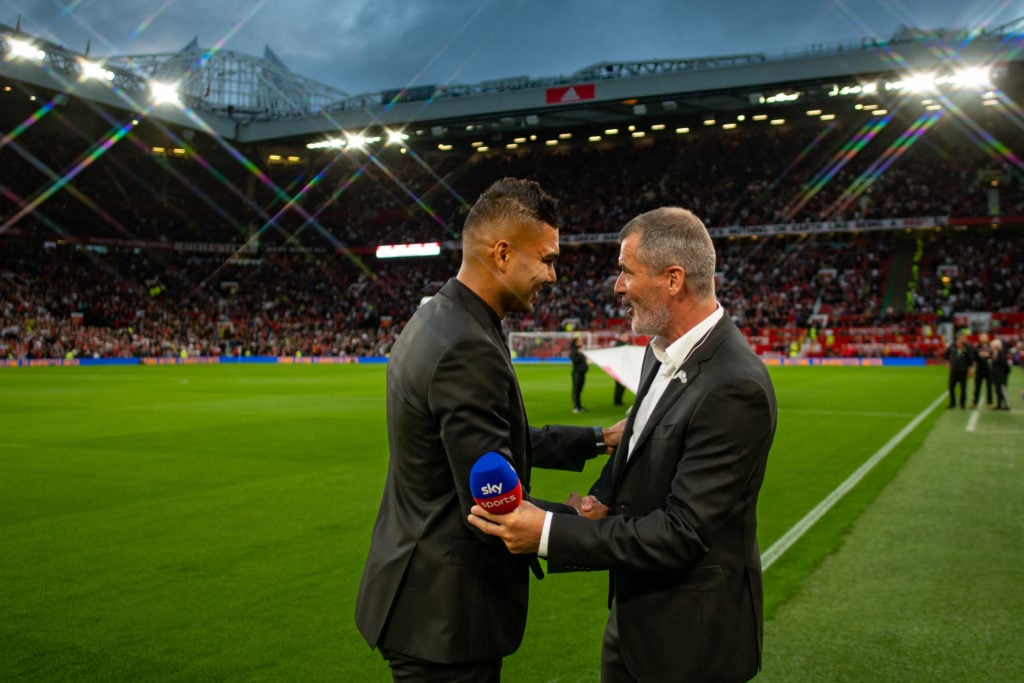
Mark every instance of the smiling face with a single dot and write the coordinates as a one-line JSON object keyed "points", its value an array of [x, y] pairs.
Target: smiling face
{"points": [[644, 292], [530, 267]]}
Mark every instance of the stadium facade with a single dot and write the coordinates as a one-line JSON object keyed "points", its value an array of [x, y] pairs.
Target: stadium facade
{"points": [[250, 99]]}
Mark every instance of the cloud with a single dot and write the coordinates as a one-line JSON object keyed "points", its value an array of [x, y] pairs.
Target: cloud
{"points": [[371, 45]]}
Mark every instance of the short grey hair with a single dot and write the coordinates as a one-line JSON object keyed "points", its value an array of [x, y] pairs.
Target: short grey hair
{"points": [[672, 236]]}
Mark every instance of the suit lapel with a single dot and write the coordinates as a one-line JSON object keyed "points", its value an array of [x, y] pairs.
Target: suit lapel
{"points": [[690, 370], [668, 399]]}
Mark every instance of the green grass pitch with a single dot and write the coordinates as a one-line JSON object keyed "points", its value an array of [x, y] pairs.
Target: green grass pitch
{"points": [[211, 522]]}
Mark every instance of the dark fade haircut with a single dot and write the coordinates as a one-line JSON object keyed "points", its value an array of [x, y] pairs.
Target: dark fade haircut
{"points": [[672, 236], [513, 199]]}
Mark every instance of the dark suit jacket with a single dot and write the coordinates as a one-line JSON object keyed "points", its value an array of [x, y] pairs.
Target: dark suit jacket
{"points": [[433, 586], [680, 540]]}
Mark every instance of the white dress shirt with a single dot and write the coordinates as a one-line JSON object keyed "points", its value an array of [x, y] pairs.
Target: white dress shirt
{"points": [[671, 358]]}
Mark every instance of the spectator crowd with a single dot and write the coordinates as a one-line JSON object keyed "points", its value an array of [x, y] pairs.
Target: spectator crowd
{"points": [[97, 270]]}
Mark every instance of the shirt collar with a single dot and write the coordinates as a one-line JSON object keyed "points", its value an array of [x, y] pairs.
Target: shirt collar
{"points": [[675, 354]]}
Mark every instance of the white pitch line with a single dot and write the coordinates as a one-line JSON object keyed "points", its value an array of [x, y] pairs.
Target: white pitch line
{"points": [[768, 557], [972, 421]]}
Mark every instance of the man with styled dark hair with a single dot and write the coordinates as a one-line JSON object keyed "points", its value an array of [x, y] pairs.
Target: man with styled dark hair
{"points": [[673, 514], [441, 601]]}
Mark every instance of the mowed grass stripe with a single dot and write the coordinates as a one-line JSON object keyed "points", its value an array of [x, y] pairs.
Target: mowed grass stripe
{"points": [[769, 556], [927, 584]]}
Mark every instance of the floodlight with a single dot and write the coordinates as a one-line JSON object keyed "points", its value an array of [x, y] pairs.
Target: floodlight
{"points": [[977, 77], [94, 70], [25, 50], [164, 93], [329, 143], [919, 83], [396, 137], [355, 140]]}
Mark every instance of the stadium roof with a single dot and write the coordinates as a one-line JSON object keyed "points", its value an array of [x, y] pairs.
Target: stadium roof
{"points": [[250, 99]]}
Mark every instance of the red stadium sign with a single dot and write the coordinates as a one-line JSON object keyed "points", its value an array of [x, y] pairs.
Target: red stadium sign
{"points": [[569, 93]]}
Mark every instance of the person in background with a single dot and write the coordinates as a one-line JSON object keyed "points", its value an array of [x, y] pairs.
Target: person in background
{"points": [[1000, 373], [958, 356], [982, 357], [580, 365], [441, 601]]}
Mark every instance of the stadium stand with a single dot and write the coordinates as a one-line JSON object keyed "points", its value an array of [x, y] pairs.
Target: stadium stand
{"points": [[127, 237]]}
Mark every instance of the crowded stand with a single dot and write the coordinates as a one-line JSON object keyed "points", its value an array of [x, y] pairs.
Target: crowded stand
{"points": [[278, 256]]}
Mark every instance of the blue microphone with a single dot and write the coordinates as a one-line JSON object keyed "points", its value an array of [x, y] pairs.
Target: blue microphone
{"points": [[494, 484]]}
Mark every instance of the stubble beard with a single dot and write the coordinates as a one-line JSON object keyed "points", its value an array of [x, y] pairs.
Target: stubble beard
{"points": [[650, 322]]}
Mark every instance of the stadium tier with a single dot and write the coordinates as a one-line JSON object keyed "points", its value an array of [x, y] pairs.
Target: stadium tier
{"points": [[849, 220]]}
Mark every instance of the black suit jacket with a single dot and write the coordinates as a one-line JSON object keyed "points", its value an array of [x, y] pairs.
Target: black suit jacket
{"points": [[433, 586], [680, 540]]}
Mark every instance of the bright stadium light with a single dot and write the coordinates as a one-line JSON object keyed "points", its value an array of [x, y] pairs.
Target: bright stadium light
{"points": [[164, 93], [329, 143], [396, 137], [25, 50], [977, 78], [355, 140], [94, 70], [915, 83]]}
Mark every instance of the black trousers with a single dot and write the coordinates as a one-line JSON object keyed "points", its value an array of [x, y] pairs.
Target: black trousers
{"points": [[577, 388], [613, 667], [412, 670], [980, 377], [955, 380]]}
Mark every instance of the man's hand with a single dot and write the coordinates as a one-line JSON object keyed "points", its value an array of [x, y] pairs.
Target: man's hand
{"points": [[587, 506], [613, 435], [519, 529]]}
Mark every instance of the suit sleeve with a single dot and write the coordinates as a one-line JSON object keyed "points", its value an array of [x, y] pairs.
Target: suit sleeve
{"points": [[720, 451], [562, 447], [468, 397]]}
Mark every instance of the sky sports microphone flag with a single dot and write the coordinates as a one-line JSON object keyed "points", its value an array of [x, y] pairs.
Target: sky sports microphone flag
{"points": [[494, 484]]}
